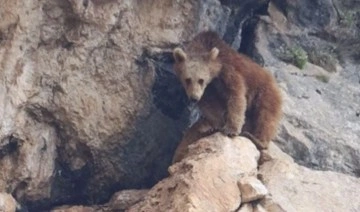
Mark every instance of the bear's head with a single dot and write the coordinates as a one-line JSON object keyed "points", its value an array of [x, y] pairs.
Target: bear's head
{"points": [[196, 71]]}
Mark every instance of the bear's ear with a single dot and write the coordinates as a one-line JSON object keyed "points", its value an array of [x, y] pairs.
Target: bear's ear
{"points": [[214, 53], [179, 55]]}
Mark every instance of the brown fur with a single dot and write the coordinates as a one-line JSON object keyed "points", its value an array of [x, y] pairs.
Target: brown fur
{"points": [[239, 95]]}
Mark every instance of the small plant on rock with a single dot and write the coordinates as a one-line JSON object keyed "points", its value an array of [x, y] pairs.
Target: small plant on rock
{"points": [[299, 56], [347, 18], [323, 78]]}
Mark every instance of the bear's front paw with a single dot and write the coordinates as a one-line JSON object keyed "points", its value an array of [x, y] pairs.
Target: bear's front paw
{"points": [[230, 131], [259, 145], [212, 131]]}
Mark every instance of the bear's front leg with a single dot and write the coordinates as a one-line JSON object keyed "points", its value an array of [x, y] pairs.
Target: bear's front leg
{"points": [[236, 103], [235, 116], [200, 129]]}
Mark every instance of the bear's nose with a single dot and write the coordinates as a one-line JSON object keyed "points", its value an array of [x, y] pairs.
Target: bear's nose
{"points": [[193, 100]]}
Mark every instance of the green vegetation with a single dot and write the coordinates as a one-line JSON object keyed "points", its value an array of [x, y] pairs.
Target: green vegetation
{"points": [[323, 78], [295, 55], [347, 18], [299, 56], [323, 59]]}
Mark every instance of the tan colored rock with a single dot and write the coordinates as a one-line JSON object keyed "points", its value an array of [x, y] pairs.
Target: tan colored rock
{"points": [[277, 18], [264, 156], [62, 99], [247, 207], [75, 209], [297, 188], [272, 206], [7, 203], [205, 180], [259, 208], [251, 189], [124, 199], [74, 90]]}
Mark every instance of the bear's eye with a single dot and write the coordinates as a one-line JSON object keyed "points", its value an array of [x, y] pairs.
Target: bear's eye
{"points": [[188, 81], [201, 81]]}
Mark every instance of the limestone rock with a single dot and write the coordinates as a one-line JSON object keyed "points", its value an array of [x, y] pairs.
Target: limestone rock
{"points": [[247, 207], [7, 203], [75, 209], [251, 189], [77, 95], [259, 208], [80, 93], [323, 133], [205, 180], [124, 199], [297, 188]]}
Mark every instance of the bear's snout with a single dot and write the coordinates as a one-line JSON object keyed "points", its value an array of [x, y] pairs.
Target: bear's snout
{"points": [[193, 100]]}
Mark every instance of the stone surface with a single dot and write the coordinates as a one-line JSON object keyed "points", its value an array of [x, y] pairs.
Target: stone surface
{"points": [[321, 125], [80, 93], [247, 207], [296, 188], [124, 199], [205, 180], [7, 203], [75, 209], [89, 104], [251, 189], [259, 208]]}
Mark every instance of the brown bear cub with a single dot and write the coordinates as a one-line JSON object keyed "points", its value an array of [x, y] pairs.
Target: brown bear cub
{"points": [[234, 94]]}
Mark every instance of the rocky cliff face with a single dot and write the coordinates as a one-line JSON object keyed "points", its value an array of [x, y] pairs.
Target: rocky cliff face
{"points": [[89, 104]]}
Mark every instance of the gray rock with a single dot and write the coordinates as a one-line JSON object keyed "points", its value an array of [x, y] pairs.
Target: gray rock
{"points": [[124, 199], [320, 128], [76, 106], [251, 189], [297, 188], [86, 109]]}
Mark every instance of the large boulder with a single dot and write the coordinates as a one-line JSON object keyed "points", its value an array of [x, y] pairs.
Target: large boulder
{"points": [[88, 102], [307, 48], [7, 203], [76, 106], [297, 188], [206, 179]]}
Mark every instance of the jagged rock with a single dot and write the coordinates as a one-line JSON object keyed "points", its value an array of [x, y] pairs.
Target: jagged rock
{"points": [[296, 188], [124, 199], [205, 180], [75, 209], [259, 208], [251, 189], [247, 207], [76, 110], [7, 203], [79, 95], [323, 133], [271, 205]]}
